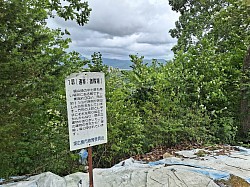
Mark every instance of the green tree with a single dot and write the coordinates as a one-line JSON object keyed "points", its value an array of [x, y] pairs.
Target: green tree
{"points": [[196, 19], [33, 66], [96, 63], [166, 119], [213, 40], [125, 130]]}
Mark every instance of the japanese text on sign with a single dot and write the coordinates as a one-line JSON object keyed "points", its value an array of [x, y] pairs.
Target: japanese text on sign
{"points": [[86, 105]]}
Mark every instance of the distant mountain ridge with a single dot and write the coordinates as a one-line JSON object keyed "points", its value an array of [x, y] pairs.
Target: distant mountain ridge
{"points": [[116, 63], [122, 64], [125, 64]]}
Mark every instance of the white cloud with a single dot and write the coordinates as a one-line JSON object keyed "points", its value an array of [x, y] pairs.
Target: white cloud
{"points": [[118, 28]]}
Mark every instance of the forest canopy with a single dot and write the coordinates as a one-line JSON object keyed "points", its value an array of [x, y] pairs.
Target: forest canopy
{"points": [[200, 97]]}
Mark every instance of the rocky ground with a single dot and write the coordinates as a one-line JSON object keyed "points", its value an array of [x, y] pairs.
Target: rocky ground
{"points": [[158, 153]]}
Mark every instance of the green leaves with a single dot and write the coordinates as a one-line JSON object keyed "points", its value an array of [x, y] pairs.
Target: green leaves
{"points": [[193, 98], [213, 38], [69, 10], [96, 64], [33, 66]]}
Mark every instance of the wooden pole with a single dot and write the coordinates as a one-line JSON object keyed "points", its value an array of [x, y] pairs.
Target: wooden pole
{"points": [[91, 184]]}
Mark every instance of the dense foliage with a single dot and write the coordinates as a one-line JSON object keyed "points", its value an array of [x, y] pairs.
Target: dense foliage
{"points": [[201, 96], [33, 66], [213, 40]]}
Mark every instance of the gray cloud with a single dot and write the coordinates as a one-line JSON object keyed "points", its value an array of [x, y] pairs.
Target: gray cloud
{"points": [[118, 28]]}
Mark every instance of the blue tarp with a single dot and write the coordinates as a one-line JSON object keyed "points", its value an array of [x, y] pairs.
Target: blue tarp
{"points": [[193, 171], [235, 160], [208, 171], [172, 162]]}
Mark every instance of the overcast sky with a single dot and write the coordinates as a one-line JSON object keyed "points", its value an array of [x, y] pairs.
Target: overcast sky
{"points": [[118, 28]]}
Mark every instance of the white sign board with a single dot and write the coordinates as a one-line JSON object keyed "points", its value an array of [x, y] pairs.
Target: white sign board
{"points": [[86, 105]]}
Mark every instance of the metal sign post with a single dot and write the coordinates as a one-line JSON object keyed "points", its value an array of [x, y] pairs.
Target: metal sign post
{"points": [[91, 183], [86, 106]]}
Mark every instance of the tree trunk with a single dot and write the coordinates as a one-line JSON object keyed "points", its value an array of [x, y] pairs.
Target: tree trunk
{"points": [[245, 95]]}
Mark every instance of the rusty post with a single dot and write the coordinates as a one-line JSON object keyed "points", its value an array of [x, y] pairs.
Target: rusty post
{"points": [[91, 184]]}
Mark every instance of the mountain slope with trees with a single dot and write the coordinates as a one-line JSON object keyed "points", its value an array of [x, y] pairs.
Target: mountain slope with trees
{"points": [[200, 97]]}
